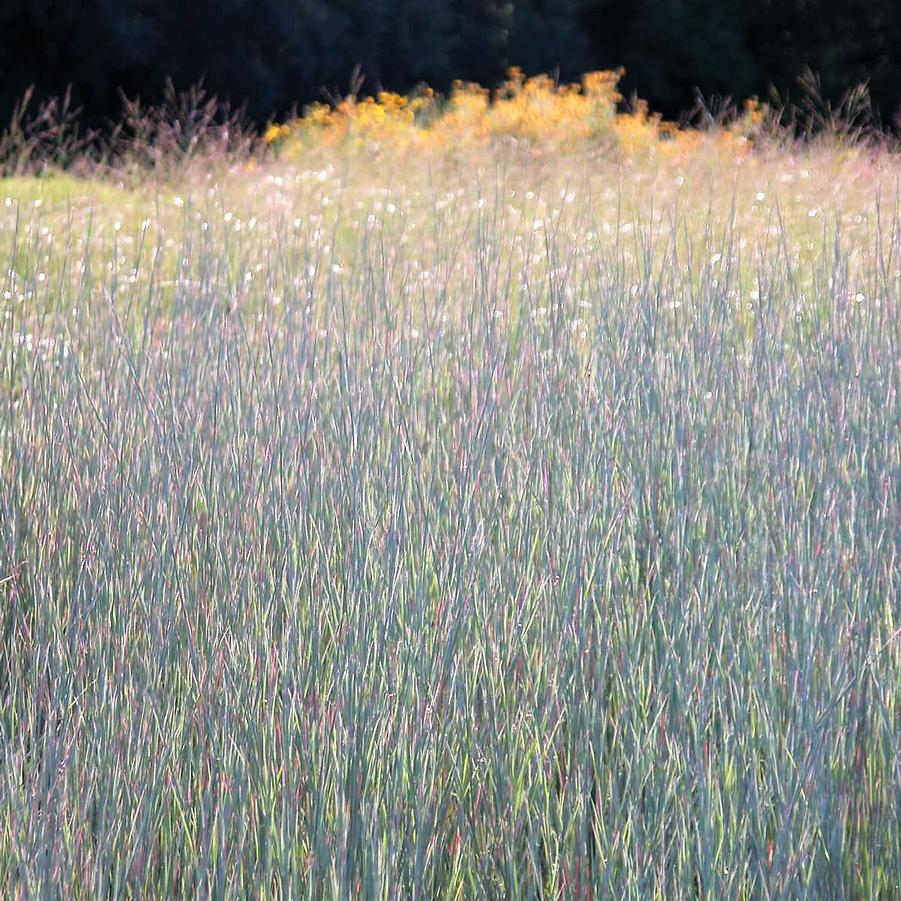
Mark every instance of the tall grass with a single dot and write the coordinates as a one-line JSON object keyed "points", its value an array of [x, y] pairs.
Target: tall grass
{"points": [[499, 529]]}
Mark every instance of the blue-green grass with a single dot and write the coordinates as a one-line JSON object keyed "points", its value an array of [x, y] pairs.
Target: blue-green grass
{"points": [[528, 529]]}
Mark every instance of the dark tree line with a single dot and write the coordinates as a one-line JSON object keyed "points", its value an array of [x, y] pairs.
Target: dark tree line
{"points": [[275, 53]]}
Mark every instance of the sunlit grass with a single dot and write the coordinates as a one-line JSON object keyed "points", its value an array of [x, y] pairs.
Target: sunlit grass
{"points": [[495, 526]]}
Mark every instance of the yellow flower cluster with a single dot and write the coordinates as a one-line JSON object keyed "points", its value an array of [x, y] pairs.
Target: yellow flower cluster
{"points": [[536, 110], [533, 109]]}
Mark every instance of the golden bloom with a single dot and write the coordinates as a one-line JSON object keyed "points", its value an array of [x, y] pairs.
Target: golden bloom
{"points": [[537, 110], [275, 133]]}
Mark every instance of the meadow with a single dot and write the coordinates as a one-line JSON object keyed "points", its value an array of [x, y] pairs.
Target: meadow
{"points": [[468, 509]]}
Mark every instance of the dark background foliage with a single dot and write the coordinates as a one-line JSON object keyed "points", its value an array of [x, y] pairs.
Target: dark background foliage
{"points": [[277, 53]]}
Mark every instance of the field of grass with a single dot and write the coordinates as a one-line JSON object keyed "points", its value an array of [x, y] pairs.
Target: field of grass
{"points": [[500, 523]]}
